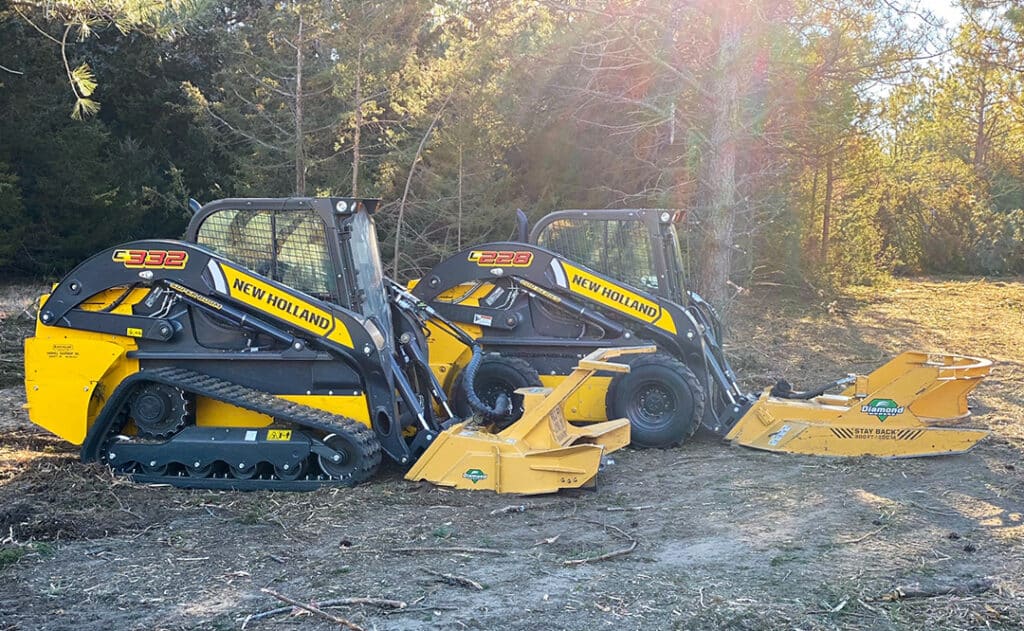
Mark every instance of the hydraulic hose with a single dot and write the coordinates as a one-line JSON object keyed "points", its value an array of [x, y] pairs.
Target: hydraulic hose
{"points": [[502, 409]]}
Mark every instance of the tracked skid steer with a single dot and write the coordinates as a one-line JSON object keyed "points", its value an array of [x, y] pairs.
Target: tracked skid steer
{"points": [[268, 351], [587, 280]]}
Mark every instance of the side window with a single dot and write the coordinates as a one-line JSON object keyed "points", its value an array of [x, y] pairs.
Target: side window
{"points": [[242, 236], [302, 258], [289, 247], [620, 249]]}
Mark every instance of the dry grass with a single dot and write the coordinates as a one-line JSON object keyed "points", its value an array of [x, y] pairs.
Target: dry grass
{"points": [[16, 321]]}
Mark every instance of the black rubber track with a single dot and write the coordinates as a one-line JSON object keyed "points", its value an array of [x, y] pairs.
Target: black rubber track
{"points": [[283, 411]]}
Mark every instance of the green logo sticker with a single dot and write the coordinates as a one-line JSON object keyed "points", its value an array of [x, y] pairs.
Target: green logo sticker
{"points": [[474, 475], [882, 408]]}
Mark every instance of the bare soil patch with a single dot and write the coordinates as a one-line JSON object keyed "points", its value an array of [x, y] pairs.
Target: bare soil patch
{"points": [[726, 537]]}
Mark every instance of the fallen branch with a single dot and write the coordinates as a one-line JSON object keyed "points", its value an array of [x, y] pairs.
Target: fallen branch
{"points": [[608, 555], [313, 610], [862, 538], [514, 508], [332, 602], [973, 586], [932, 509], [454, 579], [417, 609], [603, 557], [451, 549], [830, 609], [629, 508]]}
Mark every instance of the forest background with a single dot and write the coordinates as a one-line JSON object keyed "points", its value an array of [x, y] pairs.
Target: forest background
{"points": [[812, 143]]}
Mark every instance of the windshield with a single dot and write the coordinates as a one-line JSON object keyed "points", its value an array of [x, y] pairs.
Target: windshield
{"points": [[369, 273]]}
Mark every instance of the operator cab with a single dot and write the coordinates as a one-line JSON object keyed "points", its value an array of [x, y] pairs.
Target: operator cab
{"points": [[639, 247], [325, 247]]}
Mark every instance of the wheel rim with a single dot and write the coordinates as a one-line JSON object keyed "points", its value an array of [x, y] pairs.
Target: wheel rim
{"points": [[293, 472], [243, 472], [653, 405], [491, 389], [343, 466], [154, 469], [201, 471]]}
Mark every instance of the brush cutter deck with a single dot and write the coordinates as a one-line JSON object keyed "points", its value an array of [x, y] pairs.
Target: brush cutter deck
{"points": [[539, 453], [906, 408]]}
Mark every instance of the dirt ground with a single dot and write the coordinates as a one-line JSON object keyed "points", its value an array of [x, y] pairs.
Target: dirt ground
{"points": [[726, 537]]}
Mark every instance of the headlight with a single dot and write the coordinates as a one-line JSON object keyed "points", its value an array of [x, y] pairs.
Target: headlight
{"points": [[379, 340]]}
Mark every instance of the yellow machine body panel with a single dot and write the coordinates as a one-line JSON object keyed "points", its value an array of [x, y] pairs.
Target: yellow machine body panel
{"points": [[539, 453], [909, 407], [213, 413], [68, 374]]}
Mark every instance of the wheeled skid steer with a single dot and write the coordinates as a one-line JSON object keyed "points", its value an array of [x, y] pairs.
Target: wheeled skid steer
{"points": [[583, 280], [268, 350]]}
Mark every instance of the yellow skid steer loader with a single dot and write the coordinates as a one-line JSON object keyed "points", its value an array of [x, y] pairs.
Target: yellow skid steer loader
{"points": [[268, 351], [587, 280]]}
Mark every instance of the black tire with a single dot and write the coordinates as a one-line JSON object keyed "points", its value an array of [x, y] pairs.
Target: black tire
{"points": [[662, 399], [495, 375]]}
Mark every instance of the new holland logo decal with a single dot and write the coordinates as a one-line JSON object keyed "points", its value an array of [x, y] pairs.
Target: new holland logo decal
{"points": [[882, 408]]}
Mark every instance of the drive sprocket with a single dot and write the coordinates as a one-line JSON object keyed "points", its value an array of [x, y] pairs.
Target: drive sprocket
{"points": [[159, 410]]}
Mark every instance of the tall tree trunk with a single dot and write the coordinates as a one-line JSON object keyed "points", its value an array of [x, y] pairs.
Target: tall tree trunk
{"points": [[357, 133], [980, 140], [826, 216], [720, 174], [458, 239], [812, 216], [300, 149]]}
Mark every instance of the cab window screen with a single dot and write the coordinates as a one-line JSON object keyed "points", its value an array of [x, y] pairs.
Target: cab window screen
{"points": [[619, 249], [287, 246]]}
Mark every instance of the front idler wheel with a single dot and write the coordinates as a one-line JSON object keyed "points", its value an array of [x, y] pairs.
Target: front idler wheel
{"points": [[356, 457]]}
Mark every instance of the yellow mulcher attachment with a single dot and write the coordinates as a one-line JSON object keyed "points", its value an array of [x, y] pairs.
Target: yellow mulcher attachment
{"points": [[906, 408], [539, 453]]}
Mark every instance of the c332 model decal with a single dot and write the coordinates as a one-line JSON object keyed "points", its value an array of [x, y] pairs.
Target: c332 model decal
{"points": [[151, 259]]}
